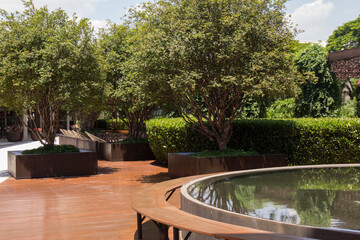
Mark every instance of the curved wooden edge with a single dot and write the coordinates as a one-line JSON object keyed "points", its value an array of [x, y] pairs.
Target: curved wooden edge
{"points": [[150, 201]]}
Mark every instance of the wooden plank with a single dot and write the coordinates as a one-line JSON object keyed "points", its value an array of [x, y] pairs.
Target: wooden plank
{"points": [[150, 202], [94, 138]]}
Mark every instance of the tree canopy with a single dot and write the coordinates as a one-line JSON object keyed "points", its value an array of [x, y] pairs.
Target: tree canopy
{"points": [[210, 57], [48, 64], [346, 36], [321, 97], [125, 95]]}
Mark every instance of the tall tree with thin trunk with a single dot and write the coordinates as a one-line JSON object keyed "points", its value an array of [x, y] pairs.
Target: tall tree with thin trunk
{"points": [[126, 97], [48, 63], [209, 58]]}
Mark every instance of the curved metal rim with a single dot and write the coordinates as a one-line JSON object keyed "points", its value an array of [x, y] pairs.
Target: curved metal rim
{"points": [[184, 192]]}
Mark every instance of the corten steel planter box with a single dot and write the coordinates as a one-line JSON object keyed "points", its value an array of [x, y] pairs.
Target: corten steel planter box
{"points": [[80, 143], [52, 165], [125, 151], [182, 164]]}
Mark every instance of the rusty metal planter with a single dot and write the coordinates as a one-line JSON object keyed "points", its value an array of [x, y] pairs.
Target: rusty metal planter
{"points": [[52, 165], [182, 164], [125, 151]]}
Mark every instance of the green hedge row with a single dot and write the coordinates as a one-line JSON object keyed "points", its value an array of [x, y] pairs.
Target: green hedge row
{"points": [[303, 141], [110, 124]]}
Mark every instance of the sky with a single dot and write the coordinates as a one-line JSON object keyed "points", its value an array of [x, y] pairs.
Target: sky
{"points": [[317, 18]]}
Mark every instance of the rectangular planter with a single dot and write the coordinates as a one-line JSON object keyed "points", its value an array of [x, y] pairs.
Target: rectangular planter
{"points": [[125, 151], [182, 164], [80, 143], [52, 165]]}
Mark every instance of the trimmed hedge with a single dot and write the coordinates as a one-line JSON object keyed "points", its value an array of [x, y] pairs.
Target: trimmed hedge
{"points": [[110, 124], [304, 141]]}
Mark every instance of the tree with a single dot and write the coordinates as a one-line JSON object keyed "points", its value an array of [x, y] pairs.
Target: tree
{"points": [[321, 97], [346, 36], [210, 57], [48, 64], [125, 96]]}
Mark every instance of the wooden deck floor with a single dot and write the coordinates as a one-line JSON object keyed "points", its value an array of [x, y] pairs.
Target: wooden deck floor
{"points": [[95, 207]]}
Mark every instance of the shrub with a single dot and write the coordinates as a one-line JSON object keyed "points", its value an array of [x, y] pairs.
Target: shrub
{"points": [[101, 123], [115, 124], [48, 149], [347, 110], [110, 124], [303, 141], [282, 108], [174, 135]]}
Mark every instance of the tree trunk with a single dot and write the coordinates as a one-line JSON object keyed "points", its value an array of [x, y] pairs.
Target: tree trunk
{"points": [[223, 138]]}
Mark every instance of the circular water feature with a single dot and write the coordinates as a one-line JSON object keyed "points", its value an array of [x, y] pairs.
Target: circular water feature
{"points": [[320, 202]]}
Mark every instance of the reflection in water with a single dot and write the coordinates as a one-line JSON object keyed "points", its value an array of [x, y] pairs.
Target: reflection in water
{"points": [[328, 197]]}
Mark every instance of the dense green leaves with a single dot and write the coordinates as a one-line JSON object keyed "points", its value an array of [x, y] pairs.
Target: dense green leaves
{"points": [[210, 57], [321, 97], [345, 37], [126, 97], [303, 141], [48, 64]]}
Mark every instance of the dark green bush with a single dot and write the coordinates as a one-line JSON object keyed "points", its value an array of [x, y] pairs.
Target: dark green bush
{"points": [[101, 123], [48, 149], [303, 141], [115, 124], [174, 135], [110, 124]]}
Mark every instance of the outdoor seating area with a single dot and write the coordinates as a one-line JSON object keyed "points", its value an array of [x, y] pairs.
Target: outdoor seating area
{"points": [[153, 203], [179, 120]]}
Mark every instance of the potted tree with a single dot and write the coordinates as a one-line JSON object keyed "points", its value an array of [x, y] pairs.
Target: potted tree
{"points": [[60, 71], [126, 99], [210, 59]]}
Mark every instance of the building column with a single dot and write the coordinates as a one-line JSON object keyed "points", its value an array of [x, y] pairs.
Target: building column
{"points": [[26, 130], [68, 121]]}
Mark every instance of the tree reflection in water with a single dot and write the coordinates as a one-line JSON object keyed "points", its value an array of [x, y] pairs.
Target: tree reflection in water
{"points": [[304, 197]]}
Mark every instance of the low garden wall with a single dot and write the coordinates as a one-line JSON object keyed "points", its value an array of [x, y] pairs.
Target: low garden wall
{"points": [[303, 141], [183, 164]]}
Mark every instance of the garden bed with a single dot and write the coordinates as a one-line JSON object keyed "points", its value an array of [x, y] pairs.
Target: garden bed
{"points": [[52, 165], [183, 164], [125, 151]]}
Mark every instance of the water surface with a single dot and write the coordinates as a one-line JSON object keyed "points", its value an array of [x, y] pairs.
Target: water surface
{"points": [[325, 197]]}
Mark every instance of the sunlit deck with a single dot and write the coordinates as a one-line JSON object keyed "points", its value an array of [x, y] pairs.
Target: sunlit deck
{"points": [[94, 207]]}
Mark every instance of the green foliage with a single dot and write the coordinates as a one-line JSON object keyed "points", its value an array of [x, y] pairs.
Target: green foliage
{"points": [[52, 149], [102, 124], [346, 36], [115, 124], [347, 110], [211, 57], [174, 135], [282, 108], [298, 46], [303, 141], [132, 105], [224, 153], [322, 97], [48, 63]]}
